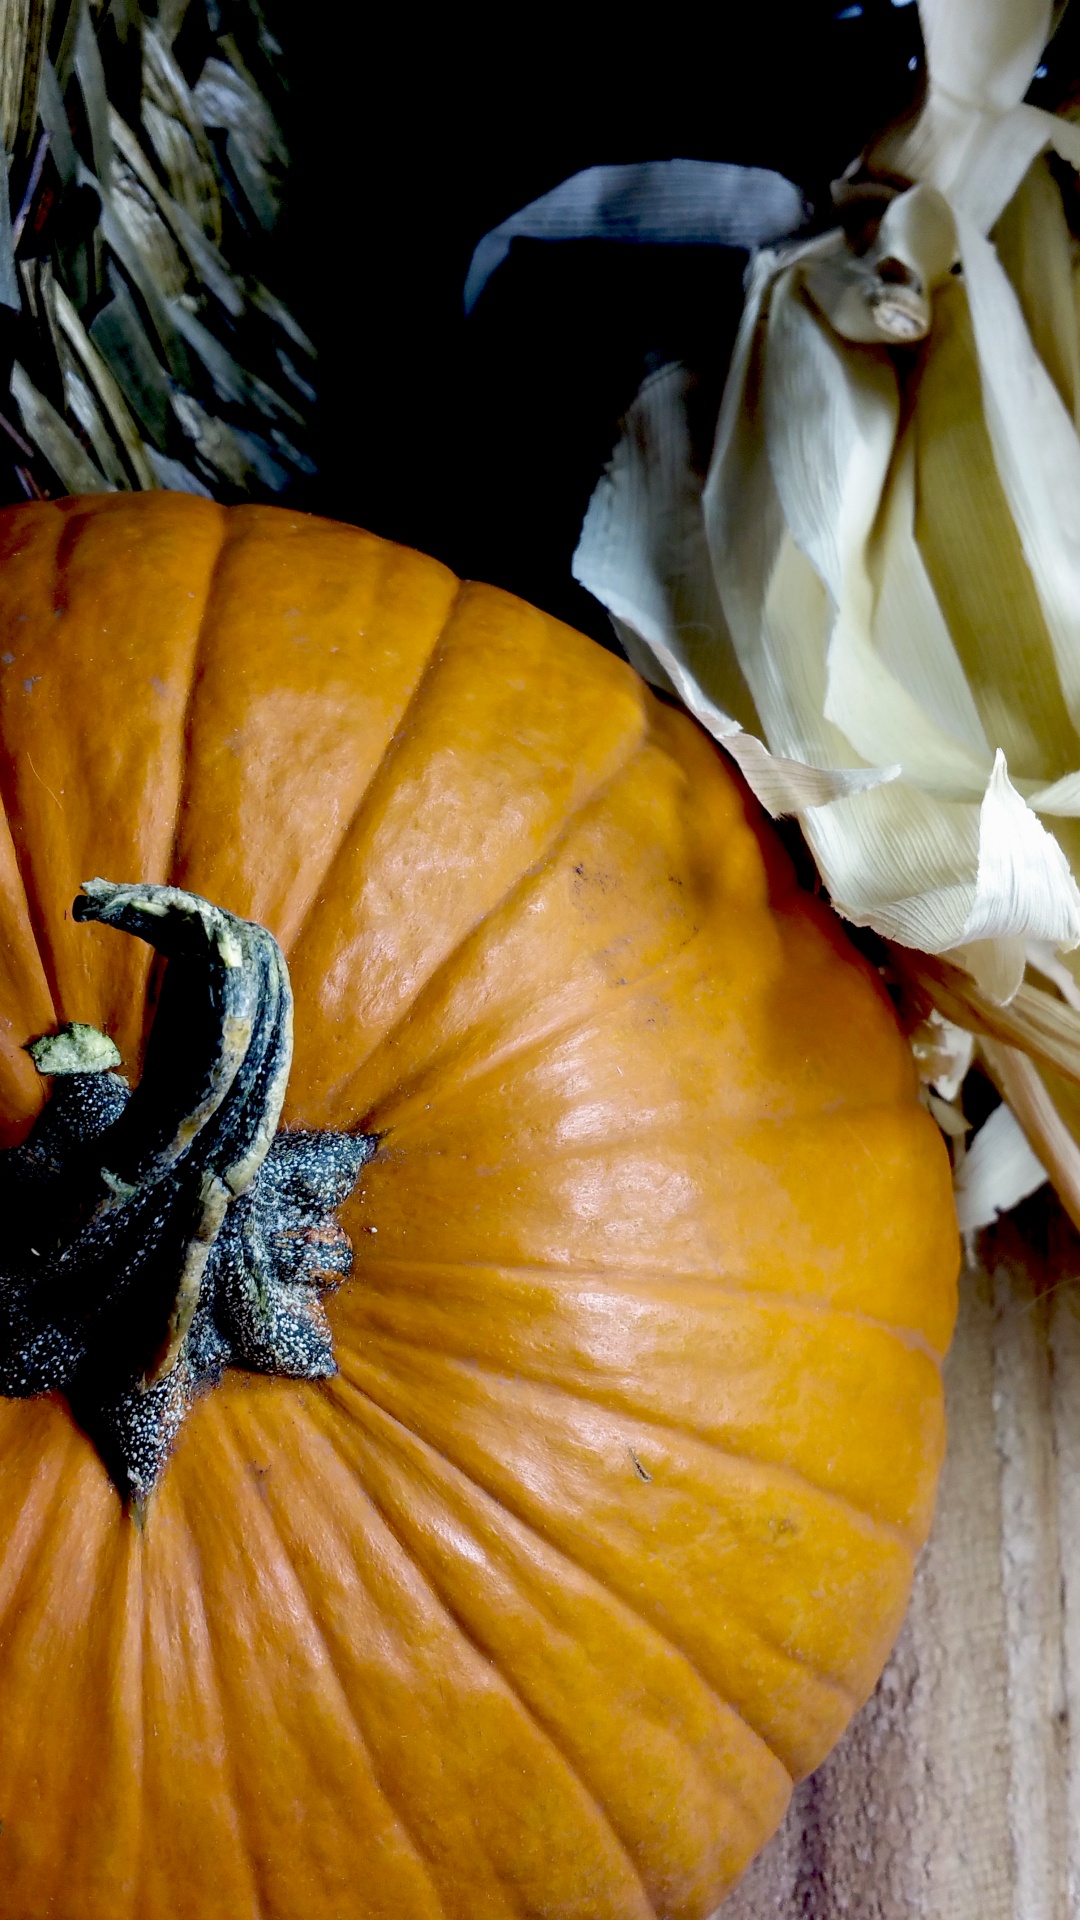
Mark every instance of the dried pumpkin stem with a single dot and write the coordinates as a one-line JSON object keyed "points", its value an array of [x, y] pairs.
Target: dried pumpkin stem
{"points": [[160, 1235]]}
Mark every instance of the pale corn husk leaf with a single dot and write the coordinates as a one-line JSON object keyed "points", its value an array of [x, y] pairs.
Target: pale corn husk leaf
{"points": [[950, 1118], [943, 1053], [1051, 1132], [1033, 1021], [998, 1170], [149, 347]]}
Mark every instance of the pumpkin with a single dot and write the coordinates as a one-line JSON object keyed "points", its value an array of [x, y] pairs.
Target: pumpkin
{"points": [[604, 1524]]}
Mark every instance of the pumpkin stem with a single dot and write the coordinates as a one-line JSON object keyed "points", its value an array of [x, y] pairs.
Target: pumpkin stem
{"points": [[157, 1236]]}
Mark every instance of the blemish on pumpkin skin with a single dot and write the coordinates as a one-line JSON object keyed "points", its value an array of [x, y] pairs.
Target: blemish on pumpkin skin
{"points": [[781, 1524], [642, 1472], [602, 881]]}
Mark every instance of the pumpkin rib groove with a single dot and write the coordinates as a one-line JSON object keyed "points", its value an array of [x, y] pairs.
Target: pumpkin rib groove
{"points": [[514, 1052], [828, 1681], [338, 1091], [46, 1491], [534, 1525], [358, 808], [612, 1277], [26, 998], [34, 916], [517, 1052], [54, 1552], [259, 1892], [731, 1127], [382, 1413], [259, 1909], [24, 901], [129, 1576], [460, 1626], [443, 1465], [529, 1713], [62, 533], [775, 1471], [322, 1432], [397, 1816], [467, 1633], [198, 652], [388, 752], [783, 1472]]}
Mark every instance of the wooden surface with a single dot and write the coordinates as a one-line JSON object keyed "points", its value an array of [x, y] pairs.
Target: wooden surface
{"points": [[956, 1794]]}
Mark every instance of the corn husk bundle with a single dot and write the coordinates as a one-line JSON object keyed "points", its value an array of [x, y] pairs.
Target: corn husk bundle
{"points": [[872, 599], [138, 344]]}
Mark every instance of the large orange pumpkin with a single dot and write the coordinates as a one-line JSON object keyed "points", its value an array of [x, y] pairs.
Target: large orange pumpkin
{"points": [[605, 1524]]}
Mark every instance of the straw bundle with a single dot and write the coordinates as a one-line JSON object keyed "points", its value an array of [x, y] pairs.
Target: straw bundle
{"points": [[138, 343]]}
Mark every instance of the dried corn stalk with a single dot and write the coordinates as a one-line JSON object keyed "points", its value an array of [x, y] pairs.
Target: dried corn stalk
{"points": [[144, 165], [873, 600]]}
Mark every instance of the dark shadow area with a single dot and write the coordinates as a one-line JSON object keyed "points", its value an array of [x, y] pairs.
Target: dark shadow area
{"points": [[480, 441]]}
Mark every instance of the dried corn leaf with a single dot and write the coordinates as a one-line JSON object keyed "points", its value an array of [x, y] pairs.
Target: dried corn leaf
{"points": [[174, 477], [54, 439], [118, 333], [14, 21], [9, 277], [178, 134], [235, 456], [105, 388], [229, 378], [23, 26], [199, 251], [82, 404], [1032, 1021], [147, 233], [91, 78], [53, 115], [228, 99]]}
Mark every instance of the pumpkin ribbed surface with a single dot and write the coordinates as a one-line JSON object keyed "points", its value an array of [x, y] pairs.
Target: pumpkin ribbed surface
{"points": [[606, 1523]]}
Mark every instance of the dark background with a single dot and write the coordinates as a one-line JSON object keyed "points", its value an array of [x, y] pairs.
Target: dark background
{"points": [[480, 441]]}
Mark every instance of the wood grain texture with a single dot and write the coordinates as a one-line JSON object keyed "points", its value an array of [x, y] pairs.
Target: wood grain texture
{"points": [[956, 1793]]}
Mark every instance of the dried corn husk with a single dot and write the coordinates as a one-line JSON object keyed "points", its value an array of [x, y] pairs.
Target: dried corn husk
{"points": [[873, 597], [148, 352]]}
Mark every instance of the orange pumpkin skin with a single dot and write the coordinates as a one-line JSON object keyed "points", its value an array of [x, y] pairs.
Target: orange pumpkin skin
{"points": [[607, 1523]]}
